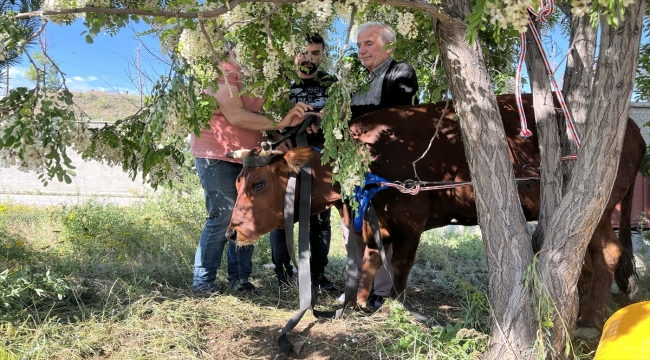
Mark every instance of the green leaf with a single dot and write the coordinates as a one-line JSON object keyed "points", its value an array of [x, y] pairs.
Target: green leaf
{"points": [[89, 39], [8, 140]]}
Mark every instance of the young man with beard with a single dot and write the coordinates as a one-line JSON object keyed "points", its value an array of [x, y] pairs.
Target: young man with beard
{"points": [[310, 89]]}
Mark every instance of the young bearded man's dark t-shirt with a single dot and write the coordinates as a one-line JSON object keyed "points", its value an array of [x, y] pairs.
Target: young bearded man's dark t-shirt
{"points": [[312, 92]]}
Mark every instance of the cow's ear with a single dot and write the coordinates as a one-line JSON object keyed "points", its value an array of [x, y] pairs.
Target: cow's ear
{"points": [[298, 157]]}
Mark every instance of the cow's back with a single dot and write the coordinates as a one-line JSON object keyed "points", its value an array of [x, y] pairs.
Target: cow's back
{"points": [[396, 137]]}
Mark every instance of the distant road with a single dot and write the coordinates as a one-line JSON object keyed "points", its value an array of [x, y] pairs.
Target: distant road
{"points": [[52, 200], [93, 180]]}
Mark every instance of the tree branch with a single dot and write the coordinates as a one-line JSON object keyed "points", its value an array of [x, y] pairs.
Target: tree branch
{"points": [[162, 13], [435, 11], [347, 37], [215, 56], [231, 53], [56, 67]]}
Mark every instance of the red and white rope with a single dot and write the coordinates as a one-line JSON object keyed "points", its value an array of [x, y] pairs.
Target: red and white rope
{"points": [[417, 188], [525, 132], [544, 12]]}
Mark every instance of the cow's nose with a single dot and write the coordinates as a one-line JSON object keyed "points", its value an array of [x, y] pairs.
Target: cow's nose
{"points": [[231, 235]]}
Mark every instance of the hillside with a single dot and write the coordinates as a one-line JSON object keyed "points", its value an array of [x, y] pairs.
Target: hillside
{"points": [[107, 107]]}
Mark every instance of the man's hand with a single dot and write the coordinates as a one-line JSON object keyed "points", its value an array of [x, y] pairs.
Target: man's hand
{"points": [[295, 116], [313, 128]]}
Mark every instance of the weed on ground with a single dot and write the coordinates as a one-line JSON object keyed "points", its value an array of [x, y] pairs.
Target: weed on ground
{"points": [[99, 281]]}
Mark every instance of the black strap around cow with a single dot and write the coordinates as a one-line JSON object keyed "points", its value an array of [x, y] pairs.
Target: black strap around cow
{"points": [[376, 234], [308, 293], [311, 118]]}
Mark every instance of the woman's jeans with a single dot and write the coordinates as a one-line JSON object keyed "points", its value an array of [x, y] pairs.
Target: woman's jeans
{"points": [[218, 182]]}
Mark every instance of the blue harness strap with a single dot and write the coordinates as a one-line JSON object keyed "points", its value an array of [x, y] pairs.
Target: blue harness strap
{"points": [[363, 197]]}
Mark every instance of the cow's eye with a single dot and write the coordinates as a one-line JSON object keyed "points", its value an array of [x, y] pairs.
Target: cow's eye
{"points": [[258, 186]]}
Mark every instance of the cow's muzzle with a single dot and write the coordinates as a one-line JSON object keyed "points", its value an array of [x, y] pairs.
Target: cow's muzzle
{"points": [[231, 235]]}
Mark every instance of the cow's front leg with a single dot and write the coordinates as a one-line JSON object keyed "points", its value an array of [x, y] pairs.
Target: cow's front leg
{"points": [[371, 263]]}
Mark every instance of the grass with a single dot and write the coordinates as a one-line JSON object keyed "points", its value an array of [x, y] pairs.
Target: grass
{"points": [[98, 281]]}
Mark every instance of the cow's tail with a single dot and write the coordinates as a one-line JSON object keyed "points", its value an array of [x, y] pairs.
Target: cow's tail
{"points": [[626, 275]]}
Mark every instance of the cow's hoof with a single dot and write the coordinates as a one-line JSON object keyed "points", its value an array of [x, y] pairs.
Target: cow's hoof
{"points": [[587, 333], [353, 305], [362, 305]]}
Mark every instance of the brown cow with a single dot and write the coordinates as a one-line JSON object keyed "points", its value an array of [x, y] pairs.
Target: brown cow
{"points": [[395, 137]]}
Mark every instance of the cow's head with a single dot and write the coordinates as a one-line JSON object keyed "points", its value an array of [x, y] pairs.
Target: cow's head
{"points": [[260, 193]]}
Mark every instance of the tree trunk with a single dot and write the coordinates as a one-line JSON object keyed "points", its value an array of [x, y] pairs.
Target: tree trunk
{"points": [[549, 142], [578, 79], [501, 219], [574, 220]]}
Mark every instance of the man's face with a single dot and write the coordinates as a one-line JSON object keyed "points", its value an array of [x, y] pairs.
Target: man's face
{"points": [[308, 61], [370, 46]]}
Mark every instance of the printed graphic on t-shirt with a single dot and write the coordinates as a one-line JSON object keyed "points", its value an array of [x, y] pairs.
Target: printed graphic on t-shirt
{"points": [[312, 91], [312, 95]]}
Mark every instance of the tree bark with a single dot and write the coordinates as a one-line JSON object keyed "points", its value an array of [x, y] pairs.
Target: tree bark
{"points": [[501, 219], [578, 79], [547, 132], [574, 220]]}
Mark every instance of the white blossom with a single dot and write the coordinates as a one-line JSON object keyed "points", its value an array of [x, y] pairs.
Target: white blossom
{"points": [[271, 68], [580, 7], [350, 182], [323, 9], [406, 25], [60, 5], [513, 12]]}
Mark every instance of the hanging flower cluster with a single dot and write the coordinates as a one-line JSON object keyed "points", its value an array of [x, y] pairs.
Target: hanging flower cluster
{"points": [[60, 5], [53, 5], [509, 12], [580, 7], [195, 48], [406, 25], [323, 9], [111, 155], [35, 126]]}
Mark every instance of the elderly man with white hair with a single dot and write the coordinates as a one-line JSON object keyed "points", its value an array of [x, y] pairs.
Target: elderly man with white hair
{"points": [[391, 83]]}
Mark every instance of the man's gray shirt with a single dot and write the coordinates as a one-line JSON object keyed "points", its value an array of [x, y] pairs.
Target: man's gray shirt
{"points": [[376, 80]]}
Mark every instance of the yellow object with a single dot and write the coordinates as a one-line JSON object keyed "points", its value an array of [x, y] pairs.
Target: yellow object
{"points": [[626, 335]]}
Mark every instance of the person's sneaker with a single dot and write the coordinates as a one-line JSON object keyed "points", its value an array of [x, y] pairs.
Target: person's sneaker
{"points": [[375, 300], [205, 288], [341, 299], [321, 281], [248, 287]]}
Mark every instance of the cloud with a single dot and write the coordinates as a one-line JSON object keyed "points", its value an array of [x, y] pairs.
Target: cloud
{"points": [[80, 83], [17, 78], [88, 83], [75, 83]]}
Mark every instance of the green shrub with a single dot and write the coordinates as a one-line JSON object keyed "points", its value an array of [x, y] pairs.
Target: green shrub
{"points": [[22, 291]]}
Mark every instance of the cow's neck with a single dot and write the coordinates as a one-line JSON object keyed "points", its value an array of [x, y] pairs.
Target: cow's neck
{"points": [[324, 194]]}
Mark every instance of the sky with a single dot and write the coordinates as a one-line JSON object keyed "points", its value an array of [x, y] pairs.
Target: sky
{"points": [[104, 65]]}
